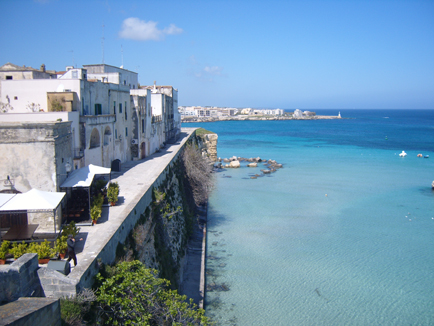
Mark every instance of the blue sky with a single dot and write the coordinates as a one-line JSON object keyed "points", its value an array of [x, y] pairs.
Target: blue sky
{"points": [[262, 54]]}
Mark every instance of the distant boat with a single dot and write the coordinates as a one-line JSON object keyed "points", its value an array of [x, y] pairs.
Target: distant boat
{"points": [[403, 154], [426, 156]]}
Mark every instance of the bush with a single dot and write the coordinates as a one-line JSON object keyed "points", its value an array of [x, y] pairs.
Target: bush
{"points": [[70, 229], [134, 295], [74, 310], [18, 249], [4, 249], [96, 209], [113, 192], [60, 245]]}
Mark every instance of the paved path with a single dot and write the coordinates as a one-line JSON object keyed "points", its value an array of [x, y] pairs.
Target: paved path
{"points": [[134, 180]]}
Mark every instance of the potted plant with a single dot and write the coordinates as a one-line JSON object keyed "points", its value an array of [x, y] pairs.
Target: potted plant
{"points": [[113, 193], [18, 249], [96, 208], [3, 251], [43, 249], [95, 213], [60, 246], [70, 228]]}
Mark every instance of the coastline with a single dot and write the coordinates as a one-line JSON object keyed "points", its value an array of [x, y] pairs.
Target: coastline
{"points": [[256, 118]]}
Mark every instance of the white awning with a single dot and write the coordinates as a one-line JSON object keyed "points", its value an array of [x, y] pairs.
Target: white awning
{"points": [[33, 200], [4, 198], [83, 177]]}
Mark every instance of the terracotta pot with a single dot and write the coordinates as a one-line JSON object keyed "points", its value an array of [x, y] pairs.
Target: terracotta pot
{"points": [[62, 255], [93, 222], [44, 261], [112, 203], [2, 261]]}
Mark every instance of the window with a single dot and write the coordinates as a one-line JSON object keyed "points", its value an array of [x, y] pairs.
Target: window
{"points": [[98, 109], [116, 133], [143, 125], [126, 117], [9, 78], [120, 107], [126, 132], [114, 107]]}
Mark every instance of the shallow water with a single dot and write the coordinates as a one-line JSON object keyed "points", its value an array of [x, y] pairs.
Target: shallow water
{"points": [[341, 235]]}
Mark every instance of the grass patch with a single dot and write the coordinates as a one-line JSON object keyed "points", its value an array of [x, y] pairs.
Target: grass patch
{"points": [[201, 131]]}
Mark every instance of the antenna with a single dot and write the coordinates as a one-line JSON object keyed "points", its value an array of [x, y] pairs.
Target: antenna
{"points": [[122, 56], [102, 42]]}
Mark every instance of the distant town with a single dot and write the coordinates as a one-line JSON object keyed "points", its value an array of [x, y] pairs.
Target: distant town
{"points": [[209, 114]]}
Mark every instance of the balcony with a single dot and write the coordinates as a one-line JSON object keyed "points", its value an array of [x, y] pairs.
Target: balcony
{"points": [[98, 119]]}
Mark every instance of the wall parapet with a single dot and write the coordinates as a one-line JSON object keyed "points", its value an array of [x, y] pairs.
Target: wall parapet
{"points": [[103, 239]]}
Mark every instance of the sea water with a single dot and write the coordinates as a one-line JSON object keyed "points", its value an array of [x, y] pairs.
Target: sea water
{"points": [[343, 234]]}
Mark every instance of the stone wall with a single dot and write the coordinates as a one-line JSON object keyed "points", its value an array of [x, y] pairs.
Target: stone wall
{"points": [[208, 145], [20, 279], [31, 311], [57, 285]]}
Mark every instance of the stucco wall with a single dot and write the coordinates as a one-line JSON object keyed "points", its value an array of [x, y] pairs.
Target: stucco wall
{"points": [[34, 154]]}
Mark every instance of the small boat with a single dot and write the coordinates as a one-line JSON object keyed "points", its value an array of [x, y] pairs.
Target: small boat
{"points": [[403, 154], [426, 156]]}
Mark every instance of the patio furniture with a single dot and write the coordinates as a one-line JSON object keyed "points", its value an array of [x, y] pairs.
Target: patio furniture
{"points": [[21, 232]]}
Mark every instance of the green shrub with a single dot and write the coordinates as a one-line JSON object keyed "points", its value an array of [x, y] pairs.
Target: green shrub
{"points": [[18, 249], [43, 249], [113, 192], [60, 246], [134, 295], [4, 249], [70, 228]]}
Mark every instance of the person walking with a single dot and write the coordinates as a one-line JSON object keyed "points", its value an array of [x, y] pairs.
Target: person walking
{"points": [[71, 249]]}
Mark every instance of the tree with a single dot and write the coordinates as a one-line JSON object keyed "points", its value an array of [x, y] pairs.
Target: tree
{"points": [[133, 295]]}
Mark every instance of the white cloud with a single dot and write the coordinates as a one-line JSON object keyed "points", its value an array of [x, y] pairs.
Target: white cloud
{"points": [[208, 73], [140, 30], [172, 30], [213, 70]]}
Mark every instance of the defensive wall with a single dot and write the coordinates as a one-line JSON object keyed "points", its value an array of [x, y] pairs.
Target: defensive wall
{"points": [[136, 180]]}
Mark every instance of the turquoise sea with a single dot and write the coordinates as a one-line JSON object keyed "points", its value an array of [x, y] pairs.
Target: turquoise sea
{"points": [[343, 234]]}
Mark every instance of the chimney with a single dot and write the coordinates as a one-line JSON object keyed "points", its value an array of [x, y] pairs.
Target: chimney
{"points": [[42, 68]]}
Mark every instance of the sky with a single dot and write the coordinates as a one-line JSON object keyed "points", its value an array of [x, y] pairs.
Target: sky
{"points": [[238, 53]]}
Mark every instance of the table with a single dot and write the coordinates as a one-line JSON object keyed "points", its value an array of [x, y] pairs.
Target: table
{"points": [[20, 232]]}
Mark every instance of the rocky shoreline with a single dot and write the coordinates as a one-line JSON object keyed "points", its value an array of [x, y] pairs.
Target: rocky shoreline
{"points": [[256, 118], [235, 162]]}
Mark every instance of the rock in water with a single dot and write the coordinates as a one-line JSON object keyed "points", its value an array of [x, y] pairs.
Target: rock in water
{"points": [[234, 164]]}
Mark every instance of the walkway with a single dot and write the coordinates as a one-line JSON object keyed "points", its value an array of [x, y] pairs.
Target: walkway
{"points": [[134, 180]]}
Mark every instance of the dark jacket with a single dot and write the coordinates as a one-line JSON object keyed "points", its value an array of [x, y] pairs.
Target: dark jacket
{"points": [[71, 244]]}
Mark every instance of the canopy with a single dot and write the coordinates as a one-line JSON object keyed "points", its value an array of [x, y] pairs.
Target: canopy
{"points": [[83, 177], [33, 200], [4, 198]]}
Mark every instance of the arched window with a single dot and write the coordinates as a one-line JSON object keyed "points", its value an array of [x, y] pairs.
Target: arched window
{"points": [[107, 134], [94, 139]]}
